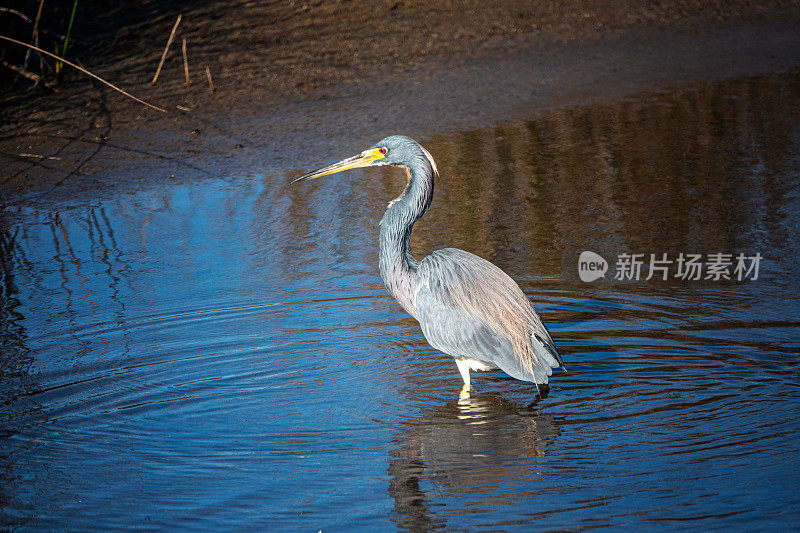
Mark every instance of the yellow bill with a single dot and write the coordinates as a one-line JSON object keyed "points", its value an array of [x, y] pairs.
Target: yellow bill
{"points": [[363, 159]]}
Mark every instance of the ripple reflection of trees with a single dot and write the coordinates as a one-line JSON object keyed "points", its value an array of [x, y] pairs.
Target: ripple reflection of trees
{"points": [[692, 168]]}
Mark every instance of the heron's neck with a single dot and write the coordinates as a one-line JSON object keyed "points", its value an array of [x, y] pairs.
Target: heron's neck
{"points": [[397, 264]]}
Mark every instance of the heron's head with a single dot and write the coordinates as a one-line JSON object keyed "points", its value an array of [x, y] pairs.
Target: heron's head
{"points": [[396, 150]]}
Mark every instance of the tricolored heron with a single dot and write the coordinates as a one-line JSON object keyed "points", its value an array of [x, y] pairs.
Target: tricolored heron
{"points": [[467, 307]]}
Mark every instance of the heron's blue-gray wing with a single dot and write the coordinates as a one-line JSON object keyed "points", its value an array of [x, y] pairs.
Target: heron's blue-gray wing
{"points": [[468, 307]]}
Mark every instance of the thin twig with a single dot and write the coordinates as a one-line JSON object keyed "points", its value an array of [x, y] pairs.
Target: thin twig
{"points": [[38, 156], [30, 75], [36, 33], [15, 12], [210, 83], [185, 61], [21, 71], [73, 65], [35, 36], [166, 49]]}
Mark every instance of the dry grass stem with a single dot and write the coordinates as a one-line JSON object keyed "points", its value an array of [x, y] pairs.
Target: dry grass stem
{"points": [[35, 37], [30, 75], [15, 12], [185, 61], [38, 156], [166, 49], [21, 71], [73, 65], [210, 82]]}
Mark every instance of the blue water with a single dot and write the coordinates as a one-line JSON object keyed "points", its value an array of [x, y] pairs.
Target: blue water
{"points": [[223, 355]]}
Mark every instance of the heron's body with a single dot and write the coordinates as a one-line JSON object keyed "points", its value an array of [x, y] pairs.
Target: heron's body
{"points": [[467, 307]]}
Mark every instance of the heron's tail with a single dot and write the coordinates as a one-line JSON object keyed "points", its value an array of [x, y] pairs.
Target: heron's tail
{"points": [[545, 349]]}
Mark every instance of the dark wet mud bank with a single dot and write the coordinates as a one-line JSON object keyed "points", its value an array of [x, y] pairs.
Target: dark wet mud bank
{"points": [[89, 140]]}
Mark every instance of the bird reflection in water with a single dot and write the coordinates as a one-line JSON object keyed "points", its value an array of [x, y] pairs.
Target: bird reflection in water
{"points": [[470, 446]]}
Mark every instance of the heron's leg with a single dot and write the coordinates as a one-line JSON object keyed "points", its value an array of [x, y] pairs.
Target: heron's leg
{"points": [[463, 368]]}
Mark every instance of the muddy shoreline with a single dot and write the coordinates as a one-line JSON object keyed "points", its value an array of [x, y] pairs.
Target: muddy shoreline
{"points": [[273, 117]]}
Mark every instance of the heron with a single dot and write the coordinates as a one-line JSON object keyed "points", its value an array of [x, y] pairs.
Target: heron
{"points": [[466, 306]]}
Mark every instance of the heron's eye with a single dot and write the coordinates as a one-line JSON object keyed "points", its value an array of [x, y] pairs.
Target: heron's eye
{"points": [[382, 150]]}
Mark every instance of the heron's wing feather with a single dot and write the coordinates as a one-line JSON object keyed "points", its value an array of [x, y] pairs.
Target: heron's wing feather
{"points": [[468, 307]]}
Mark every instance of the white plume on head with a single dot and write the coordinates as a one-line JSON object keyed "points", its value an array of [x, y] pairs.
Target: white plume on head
{"points": [[430, 159]]}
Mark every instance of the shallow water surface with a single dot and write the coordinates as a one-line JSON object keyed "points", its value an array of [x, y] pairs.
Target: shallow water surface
{"points": [[224, 355]]}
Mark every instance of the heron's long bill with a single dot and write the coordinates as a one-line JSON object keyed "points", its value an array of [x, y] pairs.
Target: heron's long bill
{"points": [[363, 159]]}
